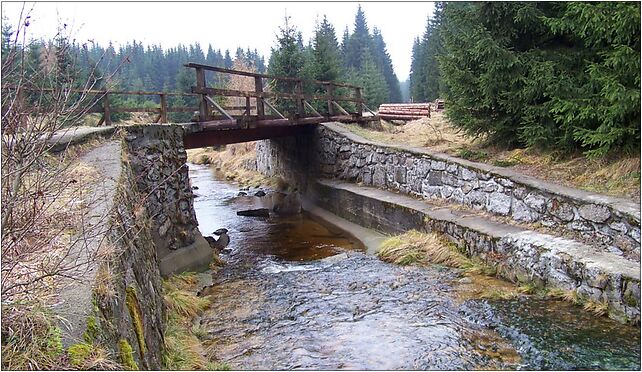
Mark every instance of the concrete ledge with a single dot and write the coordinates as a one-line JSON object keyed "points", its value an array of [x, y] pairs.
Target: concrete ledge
{"points": [[195, 257], [519, 254], [77, 135], [371, 239], [611, 223]]}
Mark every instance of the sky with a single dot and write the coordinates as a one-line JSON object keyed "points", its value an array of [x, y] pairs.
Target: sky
{"points": [[226, 25]]}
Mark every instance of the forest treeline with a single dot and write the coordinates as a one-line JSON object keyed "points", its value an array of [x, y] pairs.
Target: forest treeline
{"points": [[558, 75], [360, 58]]}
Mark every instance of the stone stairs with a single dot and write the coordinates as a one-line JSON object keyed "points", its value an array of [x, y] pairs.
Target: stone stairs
{"points": [[532, 230]]}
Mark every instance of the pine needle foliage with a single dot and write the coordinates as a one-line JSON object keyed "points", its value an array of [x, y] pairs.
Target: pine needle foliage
{"points": [[561, 75]]}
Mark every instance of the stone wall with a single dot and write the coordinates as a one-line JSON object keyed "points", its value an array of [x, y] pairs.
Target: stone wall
{"points": [[611, 222], [157, 159], [153, 233], [292, 158], [520, 255]]}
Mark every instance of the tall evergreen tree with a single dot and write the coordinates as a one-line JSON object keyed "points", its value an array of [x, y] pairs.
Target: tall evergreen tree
{"points": [[359, 41], [563, 75], [384, 64], [287, 59]]}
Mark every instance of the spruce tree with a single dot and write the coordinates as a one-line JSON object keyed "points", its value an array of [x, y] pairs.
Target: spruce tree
{"points": [[384, 64], [287, 60]]}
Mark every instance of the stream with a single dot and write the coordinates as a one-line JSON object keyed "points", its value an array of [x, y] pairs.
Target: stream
{"points": [[296, 293]]}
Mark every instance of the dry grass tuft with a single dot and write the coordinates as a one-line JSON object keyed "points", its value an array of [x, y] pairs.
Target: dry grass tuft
{"points": [[414, 247], [183, 349], [599, 308], [184, 303]]}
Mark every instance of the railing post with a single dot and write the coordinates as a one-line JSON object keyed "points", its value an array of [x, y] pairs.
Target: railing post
{"points": [[330, 89], [203, 111], [260, 107], [106, 109], [359, 102], [163, 108], [300, 108]]}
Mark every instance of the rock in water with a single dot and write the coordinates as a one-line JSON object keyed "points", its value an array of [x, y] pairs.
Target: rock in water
{"points": [[260, 193], [261, 212], [241, 193], [220, 231], [220, 243], [290, 204]]}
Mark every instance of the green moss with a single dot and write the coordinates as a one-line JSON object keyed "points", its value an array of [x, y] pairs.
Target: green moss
{"points": [[79, 354], [92, 331], [211, 366], [127, 355], [134, 311], [54, 342]]}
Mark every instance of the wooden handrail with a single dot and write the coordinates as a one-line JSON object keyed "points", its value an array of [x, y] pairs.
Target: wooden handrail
{"points": [[264, 76]]}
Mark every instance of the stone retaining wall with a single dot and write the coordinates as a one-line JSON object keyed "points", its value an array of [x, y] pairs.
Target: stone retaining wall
{"points": [[613, 223], [519, 255], [153, 233], [157, 158]]}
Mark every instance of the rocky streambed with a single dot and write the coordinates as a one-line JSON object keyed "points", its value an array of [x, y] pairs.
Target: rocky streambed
{"points": [[297, 293]]}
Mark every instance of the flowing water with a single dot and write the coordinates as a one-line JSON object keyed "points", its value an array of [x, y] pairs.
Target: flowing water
{"points": [[298, 294]]}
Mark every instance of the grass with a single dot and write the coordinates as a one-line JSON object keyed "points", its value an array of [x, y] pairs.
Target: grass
{"points": [[183, 347], [414, 247]]}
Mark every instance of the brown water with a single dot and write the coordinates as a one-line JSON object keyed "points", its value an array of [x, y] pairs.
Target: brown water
{"points": [[298, 294]]}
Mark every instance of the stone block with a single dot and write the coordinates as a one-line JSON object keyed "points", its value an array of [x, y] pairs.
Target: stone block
{"points": [[434, 178], [561, 210], [521, 212], [498, 203], [437, 165], [594, 213], [467, 174], [379, 177], [536, 202], [400, 174]]}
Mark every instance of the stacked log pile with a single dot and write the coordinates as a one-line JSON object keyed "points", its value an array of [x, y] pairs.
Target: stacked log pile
{"points": [[404, 111]]}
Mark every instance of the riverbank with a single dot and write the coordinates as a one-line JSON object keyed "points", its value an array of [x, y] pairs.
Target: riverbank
{"points": [[281, 303]]}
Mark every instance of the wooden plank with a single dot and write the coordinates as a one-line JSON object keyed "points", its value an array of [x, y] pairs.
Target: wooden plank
{"points": [[134, 109], [202, 106], [258, 88], [330, 90], [106, 111], [273, 109], [360, 102], [219, 108], [241, 93], [300, 107], [163, 109], [264, 76], [340, 108], [311, 108]]}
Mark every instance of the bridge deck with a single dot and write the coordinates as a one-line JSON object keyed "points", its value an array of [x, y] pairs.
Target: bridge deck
{"points": [[222, 132]]}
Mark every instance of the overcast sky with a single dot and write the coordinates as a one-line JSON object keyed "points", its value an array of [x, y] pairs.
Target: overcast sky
{"points": [[224, 25]]}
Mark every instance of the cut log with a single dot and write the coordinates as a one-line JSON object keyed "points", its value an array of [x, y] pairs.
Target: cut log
{"points": [[400, 117]]}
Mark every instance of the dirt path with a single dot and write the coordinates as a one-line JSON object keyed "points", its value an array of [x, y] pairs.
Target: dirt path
{"points": [[75, 296]]}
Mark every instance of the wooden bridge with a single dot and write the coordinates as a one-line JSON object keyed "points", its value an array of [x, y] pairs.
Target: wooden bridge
{"points": [[250, 121], [253, 115]]}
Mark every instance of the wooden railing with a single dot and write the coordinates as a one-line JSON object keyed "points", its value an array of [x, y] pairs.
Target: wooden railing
{"points": [[252, 113], [208, 104]]}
